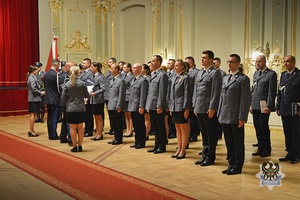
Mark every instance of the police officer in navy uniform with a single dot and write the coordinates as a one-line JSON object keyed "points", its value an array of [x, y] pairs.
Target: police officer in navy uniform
{"points": [[289, 95]]}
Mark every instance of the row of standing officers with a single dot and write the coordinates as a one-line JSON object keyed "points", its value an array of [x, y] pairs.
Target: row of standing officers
{"points": [[213, 99]]}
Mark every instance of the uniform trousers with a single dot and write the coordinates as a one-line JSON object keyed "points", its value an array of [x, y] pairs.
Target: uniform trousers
{"points": [[158, 123], [235, 144], [52, 119], [261, 124], [208, 128], [116, 118], [138, 121], [291, 129], [89, 120]]}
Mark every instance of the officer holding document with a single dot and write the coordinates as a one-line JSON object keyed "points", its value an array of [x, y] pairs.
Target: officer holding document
{"points": [[262, 104], [289, 95]]}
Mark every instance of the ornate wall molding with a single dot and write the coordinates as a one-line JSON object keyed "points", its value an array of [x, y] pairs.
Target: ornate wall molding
{"points": [[78, 42], [55, 7]]}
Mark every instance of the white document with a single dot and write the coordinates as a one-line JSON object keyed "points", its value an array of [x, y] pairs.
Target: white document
{"points": [[90, 88], [263, 106]]}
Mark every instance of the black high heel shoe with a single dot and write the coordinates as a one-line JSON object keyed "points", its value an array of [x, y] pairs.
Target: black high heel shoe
{"points": [[100, 138], [130, 135], [174, 156], [32, 134], [74, 149], [181, 157]]}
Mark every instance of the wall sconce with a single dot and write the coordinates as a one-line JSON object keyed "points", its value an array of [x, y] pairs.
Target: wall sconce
{"points": [[260, 51], [166, 55], [274, 59]]}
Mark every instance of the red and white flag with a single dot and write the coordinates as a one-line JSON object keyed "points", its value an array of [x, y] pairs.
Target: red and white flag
{"points": [[53, 54]]}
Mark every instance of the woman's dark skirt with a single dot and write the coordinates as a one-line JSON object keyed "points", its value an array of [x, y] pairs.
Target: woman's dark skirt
{"points": [[98, 109], [126, 106], [75, 117], [34, 107], [178, 118]]}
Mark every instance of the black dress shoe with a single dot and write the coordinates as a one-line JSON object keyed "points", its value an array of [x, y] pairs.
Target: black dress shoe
{"points": [[286, 158], [107, 132], [133, 146], [226, 170], [207, 163], [255, 145], [160, 150], [88, 134], [152, 149], [55, 138], [234, 171], [63, 140], [110, 142], [294, 160], [151, 133], [181, 157], [265, 154], [117, 142], [256, 153], [172, 136], [100, 138], [139, 146], [199, 162], [193, 140]]}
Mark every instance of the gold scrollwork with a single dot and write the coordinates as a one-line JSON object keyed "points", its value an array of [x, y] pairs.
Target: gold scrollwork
{"points": [[77, 8], [55, 6], [158, 11], [77, 42], [171, 9]]}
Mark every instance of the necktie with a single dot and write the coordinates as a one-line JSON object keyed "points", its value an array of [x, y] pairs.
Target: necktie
{"points": [[229, 78], [260, 73]]}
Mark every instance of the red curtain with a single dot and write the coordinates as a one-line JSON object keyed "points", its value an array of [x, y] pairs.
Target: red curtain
{"points": [[19, 47]]}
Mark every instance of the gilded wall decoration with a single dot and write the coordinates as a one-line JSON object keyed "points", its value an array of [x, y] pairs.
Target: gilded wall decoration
{"points": [[77, 42], [56, 6], [77, 8]]}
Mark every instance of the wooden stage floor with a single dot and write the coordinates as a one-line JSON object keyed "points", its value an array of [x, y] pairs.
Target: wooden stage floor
{"points": [[182, 176]]}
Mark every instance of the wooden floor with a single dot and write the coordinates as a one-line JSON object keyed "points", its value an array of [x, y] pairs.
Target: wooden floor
{"points": [[182, 176]]}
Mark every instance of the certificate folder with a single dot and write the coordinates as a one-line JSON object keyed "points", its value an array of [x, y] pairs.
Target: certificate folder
{"points": [[295, 108]]}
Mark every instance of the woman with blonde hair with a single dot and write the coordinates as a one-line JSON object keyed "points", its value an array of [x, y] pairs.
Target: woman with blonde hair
{"points": [[74, 94], [179, 106], [34, 97]]}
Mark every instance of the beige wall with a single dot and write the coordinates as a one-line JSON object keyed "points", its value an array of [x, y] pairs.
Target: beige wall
{"points": [[134, 30]]}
